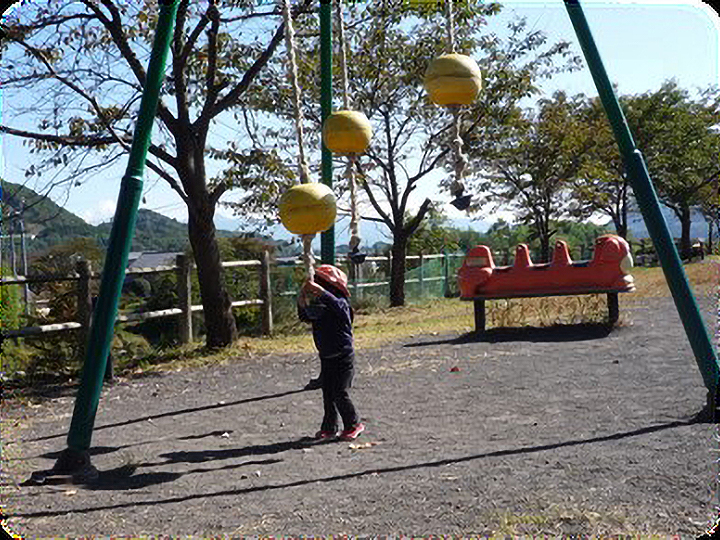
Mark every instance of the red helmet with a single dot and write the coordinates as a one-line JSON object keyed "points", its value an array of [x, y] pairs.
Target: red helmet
{"points": [[333, 276]]}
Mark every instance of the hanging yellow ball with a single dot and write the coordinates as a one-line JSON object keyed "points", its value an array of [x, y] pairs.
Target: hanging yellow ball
{"points": [[453, 79], [308, 208], [347, 132]]}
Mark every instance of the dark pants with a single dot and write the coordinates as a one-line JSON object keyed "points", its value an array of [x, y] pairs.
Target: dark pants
{"points": [[337, 375]]}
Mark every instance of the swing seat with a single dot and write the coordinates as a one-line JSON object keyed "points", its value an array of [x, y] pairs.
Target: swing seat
{"points": [[357, 256], [461, 203]]}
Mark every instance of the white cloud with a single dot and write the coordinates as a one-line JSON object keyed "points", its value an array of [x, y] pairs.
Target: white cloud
{"points": [[101, 212]]}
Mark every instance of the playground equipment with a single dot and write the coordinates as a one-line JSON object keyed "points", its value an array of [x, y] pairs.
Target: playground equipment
{"points": [[608, 272], [453, 80], [305, 209], [609, 269], [349, 133], [308, 209]]}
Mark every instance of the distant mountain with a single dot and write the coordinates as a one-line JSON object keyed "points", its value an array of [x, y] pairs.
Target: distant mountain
{"points": [[47, 224], [153, 232]]}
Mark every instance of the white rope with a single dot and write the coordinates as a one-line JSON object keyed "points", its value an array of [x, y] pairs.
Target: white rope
{"points": [[461, 159], [343, 55], [308, 257], [350, 169], [292, 74], [450, 26]]}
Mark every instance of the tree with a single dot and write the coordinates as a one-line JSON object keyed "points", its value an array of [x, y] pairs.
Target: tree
{"points": [[84, 62], [530, 165], [433, 235], [601, 186], [676, 134]]}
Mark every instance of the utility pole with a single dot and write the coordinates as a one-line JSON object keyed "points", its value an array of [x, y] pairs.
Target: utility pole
{"points": [[23, 254], [11, 231]]}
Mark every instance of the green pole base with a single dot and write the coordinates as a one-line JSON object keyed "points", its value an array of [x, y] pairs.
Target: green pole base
{"points": [[710, 413], [74, 465]]}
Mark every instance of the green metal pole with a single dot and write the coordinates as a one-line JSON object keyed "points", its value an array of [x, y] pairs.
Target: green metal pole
{"points": [[327, 239], [123, 227], [649, 206]]}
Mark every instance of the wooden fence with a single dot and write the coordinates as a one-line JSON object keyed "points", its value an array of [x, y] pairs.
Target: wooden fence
{"points": [[183, 267]]}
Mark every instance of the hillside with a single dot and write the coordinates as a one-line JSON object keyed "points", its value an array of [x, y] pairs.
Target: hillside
{"points": [[47, 224], [153, 232]]}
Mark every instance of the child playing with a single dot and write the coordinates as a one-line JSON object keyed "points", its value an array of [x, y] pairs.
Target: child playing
{"points": [[325, 303]]}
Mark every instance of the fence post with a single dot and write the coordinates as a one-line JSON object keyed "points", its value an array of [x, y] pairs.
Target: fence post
{"points": [[184, 288], [446, 273], [266, 294], [421, 277], [358, 279], [84, 302]]}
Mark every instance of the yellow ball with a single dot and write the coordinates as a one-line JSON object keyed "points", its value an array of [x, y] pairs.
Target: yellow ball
{"points": [[453, 79], [308, 208], [347, 132]]}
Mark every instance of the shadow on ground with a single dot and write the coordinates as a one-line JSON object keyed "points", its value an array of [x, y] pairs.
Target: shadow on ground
{"points": [[123, 478], [179, 412], [548, 334]]}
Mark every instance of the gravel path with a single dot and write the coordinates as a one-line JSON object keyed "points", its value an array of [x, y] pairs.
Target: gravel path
{"points": [[556, 431]]}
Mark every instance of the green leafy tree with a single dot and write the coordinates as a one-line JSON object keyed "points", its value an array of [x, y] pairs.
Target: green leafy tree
{"points": [[434, 235], [529, 166], [502, 238], [676, 133], [85, 62], [601, 186]]}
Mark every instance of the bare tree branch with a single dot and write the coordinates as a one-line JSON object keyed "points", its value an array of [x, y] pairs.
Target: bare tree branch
{"points": [[66, 140]]}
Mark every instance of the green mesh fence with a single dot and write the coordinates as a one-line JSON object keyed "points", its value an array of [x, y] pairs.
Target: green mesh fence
{"points": [[432, 276]]}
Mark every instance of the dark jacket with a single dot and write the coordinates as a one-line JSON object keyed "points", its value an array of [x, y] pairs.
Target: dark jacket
{"points": [[331, 317]]}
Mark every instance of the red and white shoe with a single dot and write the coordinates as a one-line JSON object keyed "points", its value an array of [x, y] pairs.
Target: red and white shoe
{"points": [[325, 435], [352, 433]]}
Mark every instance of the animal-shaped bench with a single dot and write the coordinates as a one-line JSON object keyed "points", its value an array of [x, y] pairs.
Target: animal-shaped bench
{"points": [[608, 272]]}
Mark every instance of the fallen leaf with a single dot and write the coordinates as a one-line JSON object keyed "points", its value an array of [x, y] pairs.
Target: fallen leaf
{"points": [[71, 492], [360, 446], [454, 369]]}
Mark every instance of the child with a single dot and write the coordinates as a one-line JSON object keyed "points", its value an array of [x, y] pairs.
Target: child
{"points": [[325, 303]]}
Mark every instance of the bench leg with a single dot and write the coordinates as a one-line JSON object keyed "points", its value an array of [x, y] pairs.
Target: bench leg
{"points": [[613, 307], [479, 316]]}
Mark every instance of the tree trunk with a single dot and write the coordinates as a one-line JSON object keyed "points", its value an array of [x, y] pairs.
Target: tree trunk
{"points": [[620, 223], [685, 222], [397, 270], [709, 246], [219, 320], [544, 248]]}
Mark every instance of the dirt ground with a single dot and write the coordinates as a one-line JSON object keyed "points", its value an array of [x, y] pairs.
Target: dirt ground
{"points": [[568, 430]]}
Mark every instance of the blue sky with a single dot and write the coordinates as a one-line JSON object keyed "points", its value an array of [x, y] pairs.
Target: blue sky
{"points": [[642, 44]]}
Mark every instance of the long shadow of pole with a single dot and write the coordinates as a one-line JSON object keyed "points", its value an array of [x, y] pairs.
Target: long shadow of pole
{"points": [[650, 208]]}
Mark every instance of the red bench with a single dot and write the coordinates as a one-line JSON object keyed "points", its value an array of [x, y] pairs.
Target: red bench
{"points": [[608, 272]]}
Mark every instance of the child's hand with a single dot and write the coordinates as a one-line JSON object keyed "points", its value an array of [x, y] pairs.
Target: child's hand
{"points": [[311, 288]]}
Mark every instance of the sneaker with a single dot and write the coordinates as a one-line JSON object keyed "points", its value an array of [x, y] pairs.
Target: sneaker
{"points": [[323, 435], [314, 384], [352, 433]]}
